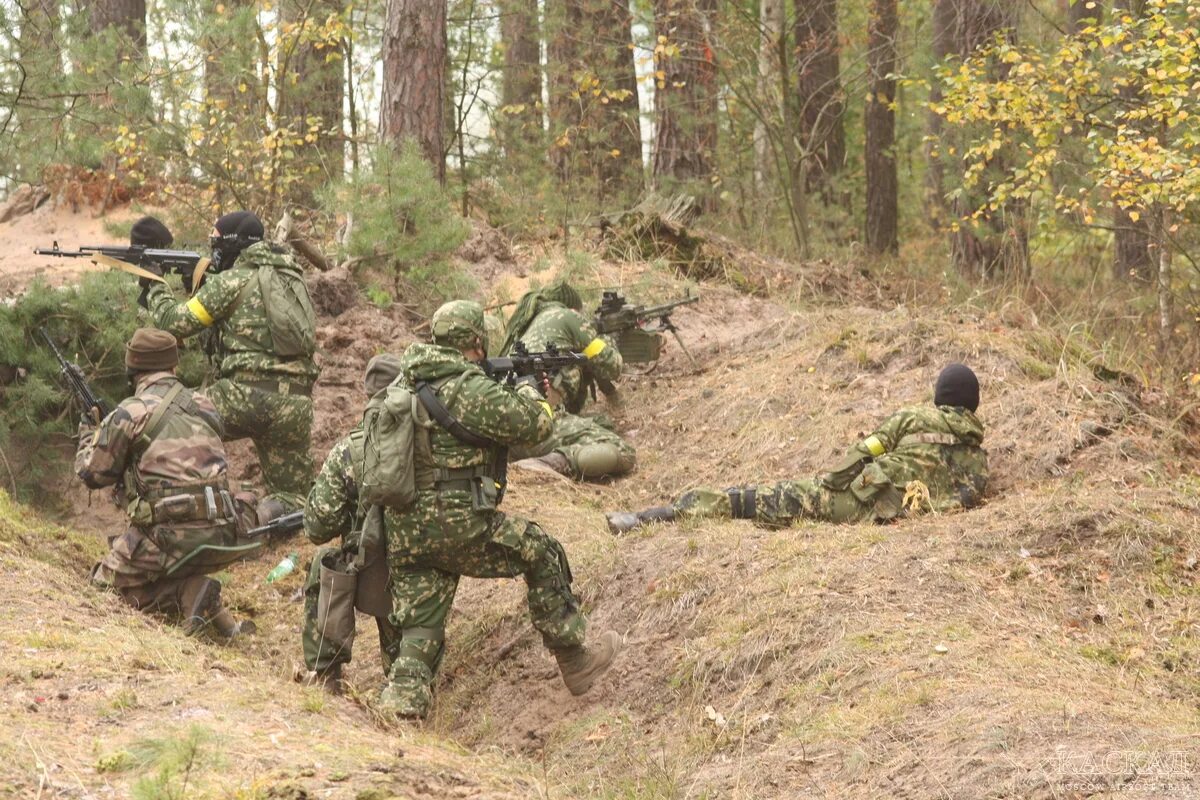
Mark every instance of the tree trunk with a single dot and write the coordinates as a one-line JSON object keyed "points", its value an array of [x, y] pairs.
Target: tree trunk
{"points": [[819, 97], [312, 88], [997, 244], [1131, 239], [1080, 15], [413, 103], [126, 17], [685, 97], [521, 85], [1166, 298], [593, 96], [944, 12], [771, 17], [880, 123]]}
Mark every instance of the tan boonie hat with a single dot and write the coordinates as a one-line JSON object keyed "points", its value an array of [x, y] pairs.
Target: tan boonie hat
{"points": [[151, 349], [459, 323], [381, 371]]}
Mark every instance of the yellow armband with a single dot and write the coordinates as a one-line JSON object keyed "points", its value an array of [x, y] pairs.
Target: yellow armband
{"points": [[595, 348], [874, 446], [546, 407], [199, 312]]}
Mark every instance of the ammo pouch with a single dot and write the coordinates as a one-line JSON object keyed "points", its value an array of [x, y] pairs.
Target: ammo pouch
{"points": [[193, 505], [373, 594], [874, 488], [840, 477], [335, 601]]}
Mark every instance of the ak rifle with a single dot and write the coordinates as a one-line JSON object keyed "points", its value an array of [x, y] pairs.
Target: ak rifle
{"points": [[636, 329], [94, 406], [181, 262], [521, 364], [278, 527]]}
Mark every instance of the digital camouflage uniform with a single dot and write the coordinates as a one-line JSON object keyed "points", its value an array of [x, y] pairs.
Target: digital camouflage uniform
{"points": [[935, 447], [259, 395], [567, 329], [174, 532], [332, 510], [454, 527], [591, 448]]}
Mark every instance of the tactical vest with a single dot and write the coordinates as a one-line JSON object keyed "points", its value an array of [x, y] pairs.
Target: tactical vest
{"points": [[177, 417]]}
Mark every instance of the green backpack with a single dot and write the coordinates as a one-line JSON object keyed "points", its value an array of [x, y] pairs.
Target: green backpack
{"points": [[387, 475], [289, 310]]}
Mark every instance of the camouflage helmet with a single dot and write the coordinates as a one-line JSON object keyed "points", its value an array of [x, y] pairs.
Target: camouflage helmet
{"points": [[151, 350], [381, 371], [459, 323]]}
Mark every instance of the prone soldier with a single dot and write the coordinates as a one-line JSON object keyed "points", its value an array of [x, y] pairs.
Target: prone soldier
{"points": [[920, 458]]}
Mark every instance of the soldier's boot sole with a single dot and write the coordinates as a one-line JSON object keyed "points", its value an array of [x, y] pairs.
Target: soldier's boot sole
{"points": [[230, 628], [200, 601], [582, 666], [623, 522]]}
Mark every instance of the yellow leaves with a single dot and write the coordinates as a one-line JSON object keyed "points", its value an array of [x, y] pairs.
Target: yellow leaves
{"points": [[220, 8], [1134, 215], [614, 153]]}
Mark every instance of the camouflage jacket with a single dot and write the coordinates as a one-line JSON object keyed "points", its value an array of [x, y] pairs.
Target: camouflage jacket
{"points": [[332, 507], [493, 410], [228, 307], [939, 446], [186, 452], [567, 329]]}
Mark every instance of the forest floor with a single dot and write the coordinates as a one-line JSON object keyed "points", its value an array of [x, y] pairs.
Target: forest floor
{"points": [[1045, 645]]}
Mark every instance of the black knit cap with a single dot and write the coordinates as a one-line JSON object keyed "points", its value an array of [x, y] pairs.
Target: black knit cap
{"points": [[957, 386], [150, 232], [240, 223]]}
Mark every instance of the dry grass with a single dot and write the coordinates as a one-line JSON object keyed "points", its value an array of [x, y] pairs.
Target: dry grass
{"points": [[989, 654]]}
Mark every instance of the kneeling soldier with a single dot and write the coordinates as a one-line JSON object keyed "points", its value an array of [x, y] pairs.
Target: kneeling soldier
{"points": [[921, 458], [164, 445], [333, 510]]}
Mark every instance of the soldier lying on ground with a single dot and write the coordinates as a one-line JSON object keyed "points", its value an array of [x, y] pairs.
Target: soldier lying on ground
{"points": [[333, 510], [455, 528], [581, 447], [921, 458], [254, 311], [164, 444]]}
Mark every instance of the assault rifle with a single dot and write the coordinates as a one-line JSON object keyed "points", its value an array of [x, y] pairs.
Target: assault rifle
{"points": [[181, 262], [280, 526], [522, 364], [93, 405], [627, 324]]}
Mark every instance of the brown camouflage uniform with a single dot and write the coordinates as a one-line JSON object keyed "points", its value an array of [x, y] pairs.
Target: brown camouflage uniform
{"points": [[455, 528], [174, 532], [918, 449], [259, 395]]}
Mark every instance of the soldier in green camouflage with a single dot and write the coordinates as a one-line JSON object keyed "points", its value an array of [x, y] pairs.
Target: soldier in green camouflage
{"points": [[455, 528], [333, 510], [163, 448], [923, 458], [258, 324], [584, 448]]}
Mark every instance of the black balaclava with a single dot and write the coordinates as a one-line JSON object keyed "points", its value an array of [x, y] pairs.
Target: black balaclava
{"points": [[235, 232], [957, 386], [150, 233]]}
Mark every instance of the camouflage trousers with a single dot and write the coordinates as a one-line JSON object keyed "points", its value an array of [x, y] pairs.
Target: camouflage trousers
{"points": [[280, 426], [137, 567], [776, 505], [426, 563], [592, 448], [322, 652]]}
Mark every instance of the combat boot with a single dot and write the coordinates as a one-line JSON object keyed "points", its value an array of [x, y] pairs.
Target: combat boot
{"points": [[581, 666], [230, 628], [329, 679], [199, 602], [551, 462], [626, 521]]}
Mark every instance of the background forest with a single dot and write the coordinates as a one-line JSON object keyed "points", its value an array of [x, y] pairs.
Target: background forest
{"points": [[1034, 143]]}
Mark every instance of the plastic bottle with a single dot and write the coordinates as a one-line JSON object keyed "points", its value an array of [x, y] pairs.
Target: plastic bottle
{"points": [[284, 568]]}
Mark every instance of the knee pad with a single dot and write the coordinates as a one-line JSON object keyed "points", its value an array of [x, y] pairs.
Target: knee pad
{"points": [[743, 502], [597, 460]]}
